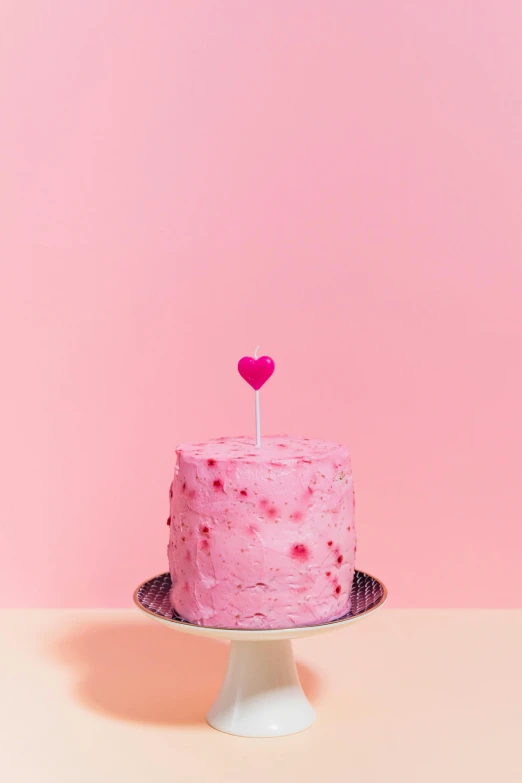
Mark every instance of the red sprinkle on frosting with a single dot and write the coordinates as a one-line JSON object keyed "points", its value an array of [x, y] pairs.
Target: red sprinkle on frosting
{"points": [[300, 552]]}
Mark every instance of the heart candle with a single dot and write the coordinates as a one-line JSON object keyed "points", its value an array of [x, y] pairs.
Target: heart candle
{"points": [[256, 371]]}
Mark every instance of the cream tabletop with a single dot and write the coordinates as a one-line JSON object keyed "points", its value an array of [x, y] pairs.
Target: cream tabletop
{"points": [[406, 695]]}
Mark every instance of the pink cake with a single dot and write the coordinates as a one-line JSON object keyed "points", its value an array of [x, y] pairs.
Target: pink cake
{"points": [[261, 537]]}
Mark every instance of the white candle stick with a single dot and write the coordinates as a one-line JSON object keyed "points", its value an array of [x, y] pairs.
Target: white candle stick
{"points": [[258, 422], [258, 413]]}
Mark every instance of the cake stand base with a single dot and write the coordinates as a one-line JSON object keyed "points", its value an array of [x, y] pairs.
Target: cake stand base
{"points": [[261, 695]]}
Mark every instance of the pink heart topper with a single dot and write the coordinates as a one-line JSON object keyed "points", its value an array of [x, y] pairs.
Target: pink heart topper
{"points": [[256, 372]]}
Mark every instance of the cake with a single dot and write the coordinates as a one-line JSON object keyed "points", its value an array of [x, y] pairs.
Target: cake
{"points": [[261, 537]]}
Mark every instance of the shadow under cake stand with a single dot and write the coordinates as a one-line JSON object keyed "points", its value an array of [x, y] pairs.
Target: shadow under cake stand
{"points": [[261, 695]]}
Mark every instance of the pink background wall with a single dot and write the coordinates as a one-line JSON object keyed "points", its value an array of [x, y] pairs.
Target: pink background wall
{"points": [[337, 181]]}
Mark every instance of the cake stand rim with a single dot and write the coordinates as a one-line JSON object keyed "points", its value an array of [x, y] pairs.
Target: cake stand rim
{"points": [[266, 633]]}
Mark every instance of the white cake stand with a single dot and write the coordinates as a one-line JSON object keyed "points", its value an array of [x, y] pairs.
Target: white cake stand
{"points": [[261, 695]]}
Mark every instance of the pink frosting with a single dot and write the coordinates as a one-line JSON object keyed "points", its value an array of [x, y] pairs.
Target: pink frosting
{"points": [[261, 538]]}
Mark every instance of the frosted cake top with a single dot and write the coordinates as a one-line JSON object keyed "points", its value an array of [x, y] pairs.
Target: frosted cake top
{"points": [[280, 448]]}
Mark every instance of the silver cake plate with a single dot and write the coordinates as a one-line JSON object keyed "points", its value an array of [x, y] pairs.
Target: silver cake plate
{"points": [[261, 695]]}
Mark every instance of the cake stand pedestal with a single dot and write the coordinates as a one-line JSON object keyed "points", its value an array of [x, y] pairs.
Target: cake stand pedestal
{"points": [[261, 695]]}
